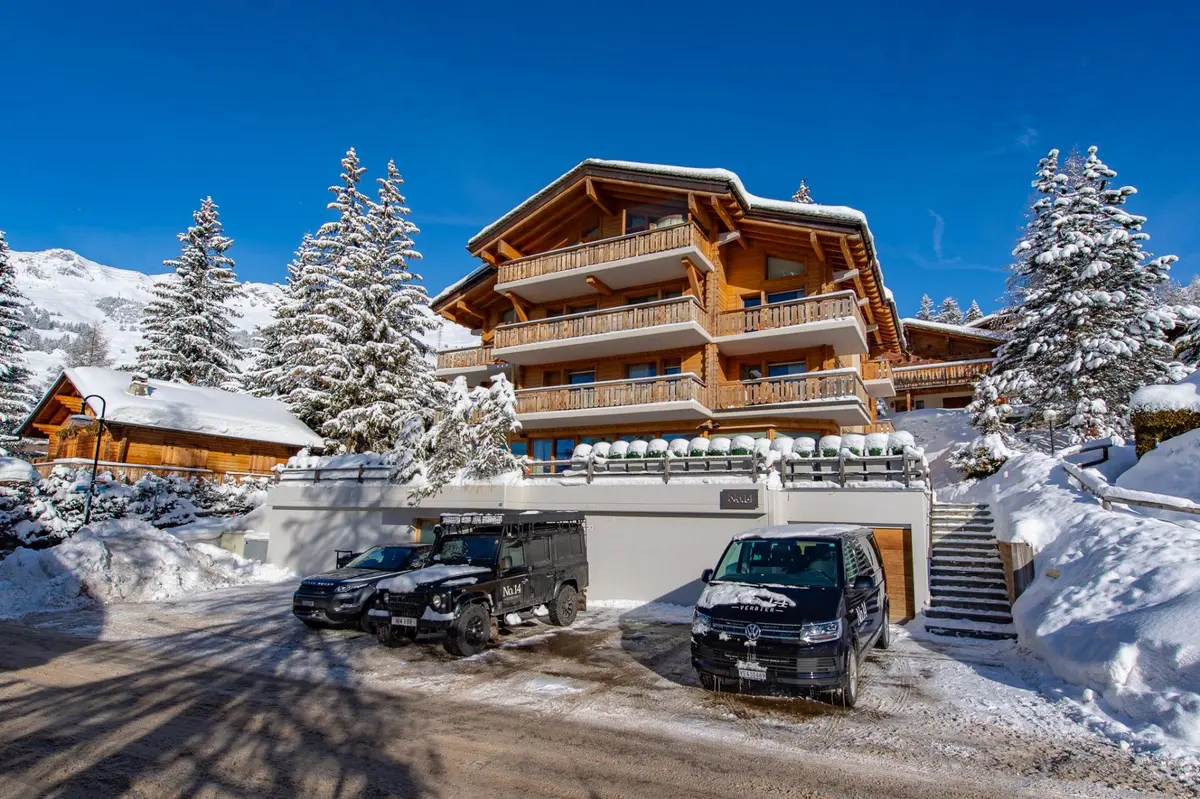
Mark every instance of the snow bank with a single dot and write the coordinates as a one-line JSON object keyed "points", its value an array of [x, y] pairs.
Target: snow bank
{"points": [[1173, 467], [1181, 396], [15, 470], [120, 561], [938, 432]]}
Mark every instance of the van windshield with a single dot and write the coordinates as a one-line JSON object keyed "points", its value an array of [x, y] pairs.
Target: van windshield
{"points": [[476, 550], [804, 563]]}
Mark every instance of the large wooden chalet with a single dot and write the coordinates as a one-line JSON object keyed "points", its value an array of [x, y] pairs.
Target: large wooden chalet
{"points": [[162, 427], [943, 362], [635, 300]]}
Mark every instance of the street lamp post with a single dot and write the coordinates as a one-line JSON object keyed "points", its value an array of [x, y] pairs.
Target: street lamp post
{"points": [[1050, 415], [82, 419]]}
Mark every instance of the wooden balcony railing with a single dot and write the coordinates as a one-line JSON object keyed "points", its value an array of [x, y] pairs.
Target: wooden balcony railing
{"points": [[877, 370], [592, 253], [936, 375], [610, 394], [465, 358], [840, 305], [800, 388], [594, 323]]}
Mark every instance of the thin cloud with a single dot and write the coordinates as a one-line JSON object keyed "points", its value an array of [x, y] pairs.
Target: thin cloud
{"points": [[939, 230], [1027, 138]]}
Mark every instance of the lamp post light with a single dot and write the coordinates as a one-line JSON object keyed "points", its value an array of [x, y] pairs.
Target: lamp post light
{"points": [[1050, 415], [83, 420]]}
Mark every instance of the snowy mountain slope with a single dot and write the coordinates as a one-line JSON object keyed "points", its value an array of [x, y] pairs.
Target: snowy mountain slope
{"points": [[72, 290]]}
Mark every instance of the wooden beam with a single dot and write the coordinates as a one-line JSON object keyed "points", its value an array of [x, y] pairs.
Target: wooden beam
{"points": [[693, 273], [594, 196], [842, 277], [701, 217], [599, 285], [490, 257], [721, 212], [850, 262], [863, 301], [72, 404], [737, 235], [46, 428], [815, 241], [469, 310], [519, 304], [508, 251]]}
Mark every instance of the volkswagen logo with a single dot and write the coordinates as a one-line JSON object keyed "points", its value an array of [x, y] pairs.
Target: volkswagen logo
{"points": [[753, 632]]}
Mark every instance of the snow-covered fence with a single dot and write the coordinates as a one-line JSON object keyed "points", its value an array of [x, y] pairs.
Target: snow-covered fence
{"points": [[1108, 494], [358, 473], [666, 467], [909, 468]]}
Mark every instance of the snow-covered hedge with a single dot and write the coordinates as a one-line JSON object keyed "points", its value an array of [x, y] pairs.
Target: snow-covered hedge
{"points": [[877, 444], [637, 449], [742, 445], [658, 448], [855, 444], [699, 446], [720, 446], [899, 441], [830, 446], [680, 448]]}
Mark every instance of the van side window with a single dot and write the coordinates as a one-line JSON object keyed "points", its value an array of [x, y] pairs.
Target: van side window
{"points": [[868, 546], [860, 558], [515, 552], [849, 562], [537, 551]]}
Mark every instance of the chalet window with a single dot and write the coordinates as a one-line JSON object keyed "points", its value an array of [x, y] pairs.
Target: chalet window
{"points": [[518, 448], [787, 369], [553, 312], [920, 405], [785, 296], [751, 371], [782, 267], [640, 300], [636, 370], [582, 308], [751, 300], [508, 317], [564, 448], [649, 217], [670, 294], [672, 366], [591, 235], [581, 376]]}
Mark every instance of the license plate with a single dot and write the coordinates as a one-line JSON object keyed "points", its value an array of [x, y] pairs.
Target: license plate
{"points": [[404, 621], [378, 613], [751, 671], [306, 603]]}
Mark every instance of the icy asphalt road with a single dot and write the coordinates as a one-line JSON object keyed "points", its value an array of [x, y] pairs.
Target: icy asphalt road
{"points": [[224, 694]]}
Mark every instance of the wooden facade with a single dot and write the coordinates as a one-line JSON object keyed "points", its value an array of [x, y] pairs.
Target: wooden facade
{"points": [[673, 288], [942, 364], [138, 450]]}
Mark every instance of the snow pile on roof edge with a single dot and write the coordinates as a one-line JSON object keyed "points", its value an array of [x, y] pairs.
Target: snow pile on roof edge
{"points": [[1181, 396]]}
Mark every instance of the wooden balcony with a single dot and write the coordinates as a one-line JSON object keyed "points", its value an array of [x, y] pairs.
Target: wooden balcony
{"points": [[661, 325], [622, 262], [827, 319], [947, 374], [467, 361], [840, 396], [648, 399], [879, 379]]}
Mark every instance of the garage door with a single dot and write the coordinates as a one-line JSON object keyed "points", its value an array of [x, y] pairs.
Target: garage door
{"points": [[895, 544]]}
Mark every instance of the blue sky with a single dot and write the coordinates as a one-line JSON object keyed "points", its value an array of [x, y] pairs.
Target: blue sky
{"points": [[928, 117]]}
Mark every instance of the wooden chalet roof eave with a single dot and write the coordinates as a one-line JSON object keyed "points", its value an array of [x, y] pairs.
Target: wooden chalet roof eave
{"points": [[27, 430]]}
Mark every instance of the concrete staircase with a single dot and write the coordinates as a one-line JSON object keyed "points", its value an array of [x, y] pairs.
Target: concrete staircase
{"points": [[966, 577]]}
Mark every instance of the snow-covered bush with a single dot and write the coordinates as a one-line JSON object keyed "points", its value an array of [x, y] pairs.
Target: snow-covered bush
{"points": [[162, 501], [830, 446], [805, 447], [762, 446], [989, 415], [899, 441], [582, 454], [720, 446], [854, 443], [18, 527], [601, 450], [619, 449], [742, 445], [699, 446], [61, 499], [877, 443], [783, 445], [679, 448], [658, 448], [637, 449]]}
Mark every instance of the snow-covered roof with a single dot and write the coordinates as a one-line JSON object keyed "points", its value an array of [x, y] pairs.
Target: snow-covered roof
{"points": [[1181, 396], [960, 330], [457, 285], [193, 409]]}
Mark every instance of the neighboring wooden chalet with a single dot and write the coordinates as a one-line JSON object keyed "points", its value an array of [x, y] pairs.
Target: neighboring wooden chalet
{"points": [[162, 427], [944, 362]]}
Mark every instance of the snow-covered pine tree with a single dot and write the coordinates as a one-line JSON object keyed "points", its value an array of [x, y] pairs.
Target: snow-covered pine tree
{"points": [[925, 312], [188, 327], [495, 421], [90, 347], [379, 374], [949, 313], [1187, 347], [447, 445], [803, 195], [16, 397], [989, 415], [974, 312]]}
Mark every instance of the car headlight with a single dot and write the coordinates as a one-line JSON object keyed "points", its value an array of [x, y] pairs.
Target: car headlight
{"points": [[438, 602], [348, 593], [701, 623], [823, 631]]}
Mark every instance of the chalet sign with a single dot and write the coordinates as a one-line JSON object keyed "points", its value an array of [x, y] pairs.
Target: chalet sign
{"points": [[739, 499]]}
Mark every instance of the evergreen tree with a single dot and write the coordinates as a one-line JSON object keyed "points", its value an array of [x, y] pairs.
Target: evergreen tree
{"points": [[379, 372], [16, 396], [1187, 348], [925, 313], [989, 415], [448, 443], [496, 420], [188, 327], [803, 195], [950, 313], [90, 347], [974, 312]]}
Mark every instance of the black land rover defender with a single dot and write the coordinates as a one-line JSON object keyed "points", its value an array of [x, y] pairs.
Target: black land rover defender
{"points": [[488, 568], [794, 605], [342, 596]]}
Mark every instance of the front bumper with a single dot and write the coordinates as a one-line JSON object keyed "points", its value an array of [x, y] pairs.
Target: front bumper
{"points": [[820, 666], [411, 609], [326, 609]]}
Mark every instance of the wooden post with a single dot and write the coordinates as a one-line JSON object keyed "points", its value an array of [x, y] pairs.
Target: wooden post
{"points": [[667, 467]]}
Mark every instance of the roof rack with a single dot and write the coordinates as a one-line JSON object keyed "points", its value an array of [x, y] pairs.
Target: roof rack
{"points": [[507, 522]]}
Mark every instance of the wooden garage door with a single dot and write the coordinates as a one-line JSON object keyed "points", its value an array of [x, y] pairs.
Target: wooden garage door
{"points": [[895, 545]]}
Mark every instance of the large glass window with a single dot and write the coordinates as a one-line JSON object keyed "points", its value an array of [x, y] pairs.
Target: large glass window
{"points": [[636, 370], [582, 308], [477, 550], [642, 299], [782, 267], [649, 217], [518, 448], [785, 296], [750, 371], [751, 300], [581, 376], [674, 436], [508, 317], [781, 561], [786, 369], [543, 449], [563, 448], [672, 366]]}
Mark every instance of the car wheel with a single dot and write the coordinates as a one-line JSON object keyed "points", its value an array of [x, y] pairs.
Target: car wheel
{"points": [[885, 633], [364, 622], [850, 681], [470, 632], [564, 607]]}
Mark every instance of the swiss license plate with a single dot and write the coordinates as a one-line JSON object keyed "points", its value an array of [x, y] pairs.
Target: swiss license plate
{"points": [[403, 621], [751, 671], [306, 603]]}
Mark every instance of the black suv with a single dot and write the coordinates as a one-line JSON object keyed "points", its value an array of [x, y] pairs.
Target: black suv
{"points": [[487, 569], [342, 596], [794, 605]]}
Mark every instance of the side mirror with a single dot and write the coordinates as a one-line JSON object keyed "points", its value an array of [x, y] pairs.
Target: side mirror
{"points": [[864, 583], [706, 575]]}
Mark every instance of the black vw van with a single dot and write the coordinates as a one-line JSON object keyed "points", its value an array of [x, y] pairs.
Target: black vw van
{"points": [[794, 605]]}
